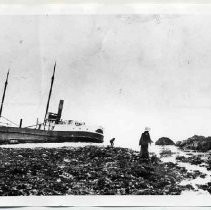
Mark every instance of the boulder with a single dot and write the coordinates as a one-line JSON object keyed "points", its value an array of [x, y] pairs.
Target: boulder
{"points": [[199, 143], [178, 143], [164, 141]]}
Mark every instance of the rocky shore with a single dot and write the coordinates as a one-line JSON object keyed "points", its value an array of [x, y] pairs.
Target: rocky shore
{"points": [[198, 143], [88, 170]]}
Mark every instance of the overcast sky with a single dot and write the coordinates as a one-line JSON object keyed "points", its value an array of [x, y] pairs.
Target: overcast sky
{"points": [[123, 72]]}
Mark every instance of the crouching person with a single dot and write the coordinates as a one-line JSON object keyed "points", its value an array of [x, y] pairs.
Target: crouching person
{"points": [[112, 142]]}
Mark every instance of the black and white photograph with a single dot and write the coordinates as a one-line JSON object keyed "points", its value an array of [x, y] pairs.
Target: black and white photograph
{"points": [[105, 104]]}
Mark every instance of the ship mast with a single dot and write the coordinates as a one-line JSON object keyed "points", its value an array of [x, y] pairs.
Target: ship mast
{"points": [[5, 87], [49, 96]]}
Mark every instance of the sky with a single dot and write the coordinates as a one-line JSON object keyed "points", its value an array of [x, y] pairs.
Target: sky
{"points": [[123, 72]]}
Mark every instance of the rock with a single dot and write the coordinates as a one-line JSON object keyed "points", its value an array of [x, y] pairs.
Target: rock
{"points": [[199, 143], [178, 143], [144, 192], [155, 159], [187, 187], [166, 153], [208, 163], [205, 187], [164, 141], [194, 160]]}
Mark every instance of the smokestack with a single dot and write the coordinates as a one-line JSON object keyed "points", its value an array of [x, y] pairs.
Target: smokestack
{"points": [[61, 102]]}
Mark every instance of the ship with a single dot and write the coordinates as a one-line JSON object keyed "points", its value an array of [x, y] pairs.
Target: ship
{"points": [[52, 129]]}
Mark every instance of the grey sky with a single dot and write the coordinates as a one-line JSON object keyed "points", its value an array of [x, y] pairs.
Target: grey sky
{"points": [[123, 72]]}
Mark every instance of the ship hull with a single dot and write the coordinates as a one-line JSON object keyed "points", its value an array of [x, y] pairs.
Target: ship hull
{"points": [[26, 135]]}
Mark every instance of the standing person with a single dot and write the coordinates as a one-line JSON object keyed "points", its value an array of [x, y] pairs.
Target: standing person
{"points": [[144, 141]]}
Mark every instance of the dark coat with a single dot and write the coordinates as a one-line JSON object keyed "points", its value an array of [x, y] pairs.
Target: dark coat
{"points": [[112, 140], [145, 139]]}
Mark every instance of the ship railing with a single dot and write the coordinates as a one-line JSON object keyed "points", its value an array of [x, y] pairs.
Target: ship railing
{"points": [[73, 127], [71, 122]]}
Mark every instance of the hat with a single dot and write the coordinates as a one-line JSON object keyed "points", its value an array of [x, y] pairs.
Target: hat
{"points": [[147, 128]]}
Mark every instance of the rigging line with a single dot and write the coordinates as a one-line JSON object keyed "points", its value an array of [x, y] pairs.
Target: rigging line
{"points": [[34, 125], [9, 121], [4, 123]]}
